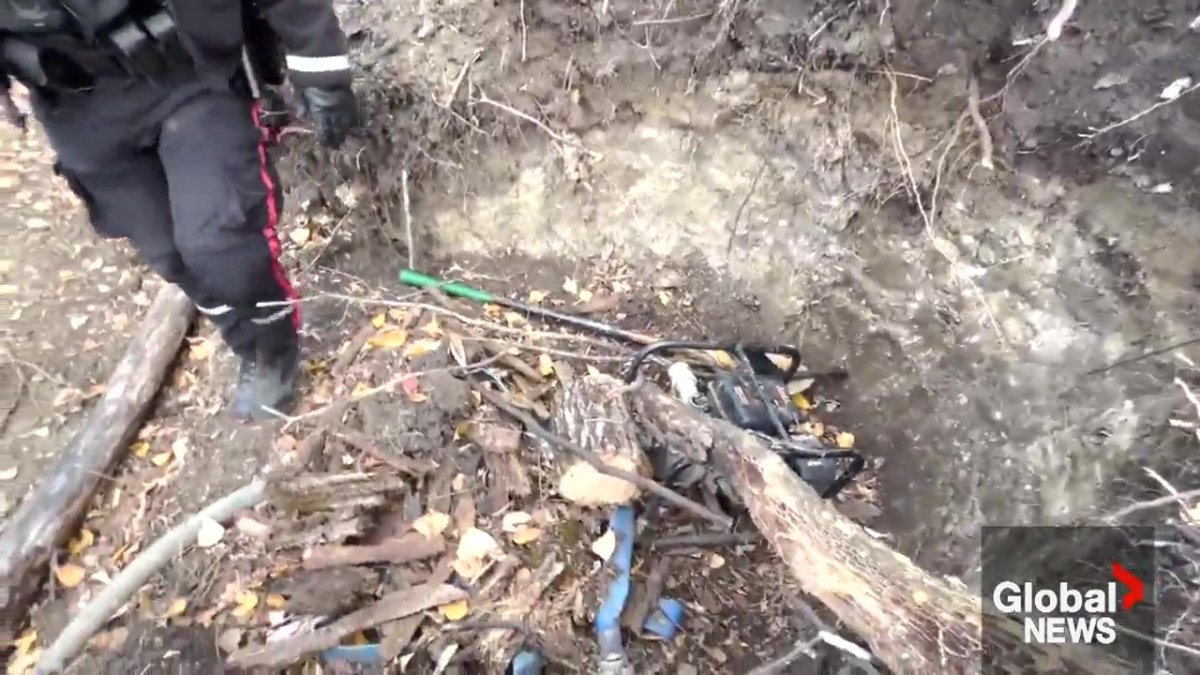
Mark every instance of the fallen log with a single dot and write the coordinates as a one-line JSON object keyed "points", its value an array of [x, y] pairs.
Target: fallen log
{"points": [[591, 412], [51, 513], [913, 621]]}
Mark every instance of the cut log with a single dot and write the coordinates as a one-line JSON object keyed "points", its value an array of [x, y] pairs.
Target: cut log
{"points": [[591, 412], [913, 621], [409, 548], [51, 513]]}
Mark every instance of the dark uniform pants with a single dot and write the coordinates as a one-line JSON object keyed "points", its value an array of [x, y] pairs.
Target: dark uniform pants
{"points": [[180, 168]]}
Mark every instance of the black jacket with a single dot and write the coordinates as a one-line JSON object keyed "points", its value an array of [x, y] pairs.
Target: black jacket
{"points": [[212, 31], [309, 29]]}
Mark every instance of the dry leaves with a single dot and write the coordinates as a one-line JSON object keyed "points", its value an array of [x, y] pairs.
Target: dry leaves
{"points": [[276, 601], [455, 611], [177, 607], [140, 449], [201, 350], [844, 440], [605, 546], [432, 524], [514, 520], [545, 365], [388, 338], [69, 575], [475, 550], [81, 542], [247, 602], [526, 534], [421, 347], [210, 533], [537, 297]]}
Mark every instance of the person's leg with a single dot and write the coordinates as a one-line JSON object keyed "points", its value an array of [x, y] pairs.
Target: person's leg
{"points": [[123, 188], [225, 200]]}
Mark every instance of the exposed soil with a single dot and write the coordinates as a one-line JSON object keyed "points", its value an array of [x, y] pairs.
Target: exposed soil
{"points": [[772, 170]]}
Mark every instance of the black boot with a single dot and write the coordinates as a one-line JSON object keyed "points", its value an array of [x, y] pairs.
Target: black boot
{"points": [[269, 379]]}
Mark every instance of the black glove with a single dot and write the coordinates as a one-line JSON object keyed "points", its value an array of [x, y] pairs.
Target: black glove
{"points": [[334, 112]]}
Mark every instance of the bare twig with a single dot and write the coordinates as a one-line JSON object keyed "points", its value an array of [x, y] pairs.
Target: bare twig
{"points": [[408, 224], [985, 136], [388, 386], [531, 334], [1117, 125], [524, 32], [483, 98], [707, 539], [534, 428], [1059, 20], [462, 75], [1181, 497], [737, 217], [673, 20], [941, 245]]}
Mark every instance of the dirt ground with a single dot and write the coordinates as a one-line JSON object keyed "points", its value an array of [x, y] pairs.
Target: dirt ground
{"points": [[770, 170]]}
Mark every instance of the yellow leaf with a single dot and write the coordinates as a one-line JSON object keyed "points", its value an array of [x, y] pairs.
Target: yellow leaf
{"points": [[536, 297], [276, 601], [162, 458], [177, 608], [388, 338], [358, 639], [24, 644], [300, 235], [23, 663], [140, 449], [723, 359], [360, 389], [247, 602], [80, 543], [493, 311], [571, 286], [584, 295], [420, 348], [593, 370], [397, 315], [716, 562], [801, 401], [845, 440], [378, 320], [813, 429], [460, 431], [665, 298], [432, 524], [514, 319], [433, 328], [8, 289], [455, 611], [70, 575], [201, 350], [545, 365], [418, 397], [526, 534]]}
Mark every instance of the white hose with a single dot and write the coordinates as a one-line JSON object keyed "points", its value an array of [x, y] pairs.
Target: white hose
{"points": [[129, 580]]}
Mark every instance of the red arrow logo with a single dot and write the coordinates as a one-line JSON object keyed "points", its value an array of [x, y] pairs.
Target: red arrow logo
{"points": [[1137, 590]]}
